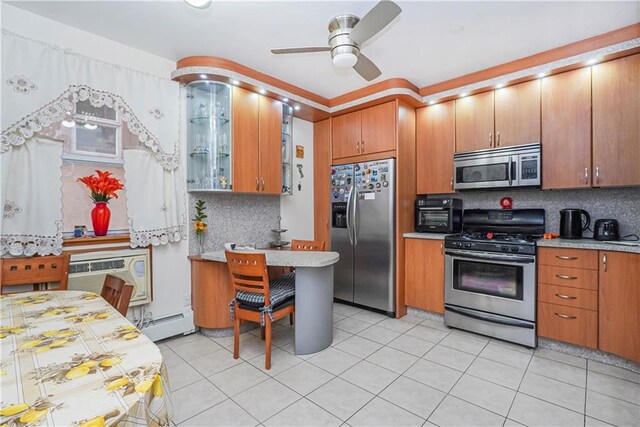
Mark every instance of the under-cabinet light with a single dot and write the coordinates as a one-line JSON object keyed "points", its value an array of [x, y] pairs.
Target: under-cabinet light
{"points": [[285, 99], [463, 94], [203, 76], [198, 4]]}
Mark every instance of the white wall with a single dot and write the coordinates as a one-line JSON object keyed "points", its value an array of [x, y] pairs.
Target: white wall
{"points": [[171, 271], [297, 210]]}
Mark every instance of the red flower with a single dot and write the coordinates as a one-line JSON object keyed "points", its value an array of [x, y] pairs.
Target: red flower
{"points": [[103, 187]]}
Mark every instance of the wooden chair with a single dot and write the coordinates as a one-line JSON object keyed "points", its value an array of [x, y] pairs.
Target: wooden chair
{"points": [[254, 293], [117, 292], [307, 245], [34, 271]]}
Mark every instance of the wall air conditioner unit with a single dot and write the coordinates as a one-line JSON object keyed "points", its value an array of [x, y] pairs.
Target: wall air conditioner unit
{"points": [[88, 270]]}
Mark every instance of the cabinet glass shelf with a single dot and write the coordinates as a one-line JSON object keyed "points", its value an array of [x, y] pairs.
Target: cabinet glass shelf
{"points": [[209, 136], [287, 149]]}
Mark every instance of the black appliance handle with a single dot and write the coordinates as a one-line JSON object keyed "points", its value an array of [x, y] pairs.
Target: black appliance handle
{"points": [[498, 321], [587, 219], [487, 257]]}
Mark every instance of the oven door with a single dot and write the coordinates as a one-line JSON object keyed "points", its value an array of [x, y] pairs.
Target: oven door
{"points": [[436, 220], [486, 172], [502, 284]]}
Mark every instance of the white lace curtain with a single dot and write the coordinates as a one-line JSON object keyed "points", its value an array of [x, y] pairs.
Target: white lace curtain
{"points": [[40, 86]]}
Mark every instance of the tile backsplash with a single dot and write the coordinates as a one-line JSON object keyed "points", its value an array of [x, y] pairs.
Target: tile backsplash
{"points": [[237, 218], [622, 204]]}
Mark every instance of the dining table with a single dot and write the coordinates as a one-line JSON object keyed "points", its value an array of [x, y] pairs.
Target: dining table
{"points": [[68, 358]]}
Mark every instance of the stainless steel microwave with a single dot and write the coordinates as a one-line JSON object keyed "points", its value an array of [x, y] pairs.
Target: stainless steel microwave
{"points": [[515, 166]]}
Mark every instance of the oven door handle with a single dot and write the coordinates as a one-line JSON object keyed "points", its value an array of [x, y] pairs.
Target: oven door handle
{"points": [[489, 257], [506, 322], [510, 171]]}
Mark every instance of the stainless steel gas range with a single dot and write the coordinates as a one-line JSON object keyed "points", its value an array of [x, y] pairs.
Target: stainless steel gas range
{"points": [[490, 274]]}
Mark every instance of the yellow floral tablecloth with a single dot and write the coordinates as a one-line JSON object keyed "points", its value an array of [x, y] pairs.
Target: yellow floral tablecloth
{"points": [[68, 358]]}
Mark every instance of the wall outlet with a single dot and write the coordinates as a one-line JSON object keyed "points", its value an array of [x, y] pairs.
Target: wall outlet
{"points": [[186, 300]]}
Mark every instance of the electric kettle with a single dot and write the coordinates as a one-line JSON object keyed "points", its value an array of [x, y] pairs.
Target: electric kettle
{"points": [[573, 222]]}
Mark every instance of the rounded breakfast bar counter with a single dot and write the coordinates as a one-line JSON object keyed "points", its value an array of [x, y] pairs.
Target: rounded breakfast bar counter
{"points": [[278, 258], [313, 297], [589, 244]]}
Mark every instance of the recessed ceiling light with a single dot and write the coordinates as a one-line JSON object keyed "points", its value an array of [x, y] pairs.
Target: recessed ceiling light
{"points": [[285, 99], [203, 76], [235, 82], [198, 4], [499, 85], [296, 107], [541, 75], [262, 91], [593, 61], [463, 94], [432, 102]]}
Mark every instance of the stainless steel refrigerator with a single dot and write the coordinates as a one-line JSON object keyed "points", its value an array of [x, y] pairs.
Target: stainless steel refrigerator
{"points": [[363, 232]]}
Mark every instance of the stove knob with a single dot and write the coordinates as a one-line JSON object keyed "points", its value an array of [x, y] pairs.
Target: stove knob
{"points": [[504, 248], [467, 245], [515, 249]]}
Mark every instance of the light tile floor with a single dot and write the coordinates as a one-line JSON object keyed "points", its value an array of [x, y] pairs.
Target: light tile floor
{"points": [[383, 372]]}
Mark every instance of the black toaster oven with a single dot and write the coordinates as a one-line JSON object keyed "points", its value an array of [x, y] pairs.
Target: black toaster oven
{"points": [[438, 215]]}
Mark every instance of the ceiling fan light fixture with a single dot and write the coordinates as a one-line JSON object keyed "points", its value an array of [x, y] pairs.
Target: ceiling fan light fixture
{"points": [[198, 4], [345, 60]]}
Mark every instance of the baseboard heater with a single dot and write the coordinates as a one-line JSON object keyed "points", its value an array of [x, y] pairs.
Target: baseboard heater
{"points": [[170, 326]]}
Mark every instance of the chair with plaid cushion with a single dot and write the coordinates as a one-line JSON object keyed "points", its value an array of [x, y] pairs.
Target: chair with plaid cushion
{"points": [[257, 299], [301, 245]]}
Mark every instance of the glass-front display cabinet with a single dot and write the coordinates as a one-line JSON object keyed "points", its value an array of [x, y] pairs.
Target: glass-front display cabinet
{"points": [[287, 149], [209, 136]]}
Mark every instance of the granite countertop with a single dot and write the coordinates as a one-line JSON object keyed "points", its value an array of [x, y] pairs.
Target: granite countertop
{"points": [[588, 244], [276, 258], [428, 236]]}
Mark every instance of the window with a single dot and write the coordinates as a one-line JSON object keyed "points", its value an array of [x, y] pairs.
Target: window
{"points": [[95, 135]]}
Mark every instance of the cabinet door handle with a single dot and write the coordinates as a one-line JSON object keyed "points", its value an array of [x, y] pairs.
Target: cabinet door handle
{"points": [[362, 146], [442, 248], [358, 147], [566, 296], [604, 262], [490, 139], [566, 258], [566, 316], [498, 139], [452, 183], [597, 174], [586, 175], [257, 184], [565, 277], [262, 181]]}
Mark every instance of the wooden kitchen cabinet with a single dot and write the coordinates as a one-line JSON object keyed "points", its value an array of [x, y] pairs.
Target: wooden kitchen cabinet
{"points": [[378, 128], [435, 147], [566, 130], [321, 181], [517, 114], [616, 123], [257, 151], [424, 274], [368, 131], [474, 122], [619, 316], [211, 291], [345, 135], [568, 324]]}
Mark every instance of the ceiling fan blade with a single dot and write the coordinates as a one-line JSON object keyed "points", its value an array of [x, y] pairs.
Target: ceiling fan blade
{"points": [[366, 68], [374, 21], [300, 50]]}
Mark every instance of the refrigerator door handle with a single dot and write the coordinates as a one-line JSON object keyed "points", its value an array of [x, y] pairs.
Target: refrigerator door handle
{"points": [[355, 208], [349, 226]]}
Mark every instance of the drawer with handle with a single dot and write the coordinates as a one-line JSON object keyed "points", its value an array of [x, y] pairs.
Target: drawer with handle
{"points": [[569, 297], [568, 324], [574, 258], [570, 277]]}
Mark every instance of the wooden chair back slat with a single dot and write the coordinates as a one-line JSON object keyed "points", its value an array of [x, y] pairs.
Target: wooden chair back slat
{"points": [[307, 245], [35, 270], [117, 292], [248, 272]]}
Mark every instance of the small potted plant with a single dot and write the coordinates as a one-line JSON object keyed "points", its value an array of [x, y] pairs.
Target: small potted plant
{"points": [[103, 187], [199, 226]]}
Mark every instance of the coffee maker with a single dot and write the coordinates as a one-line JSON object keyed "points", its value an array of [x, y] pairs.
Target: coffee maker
{"points": [[573, 222]]}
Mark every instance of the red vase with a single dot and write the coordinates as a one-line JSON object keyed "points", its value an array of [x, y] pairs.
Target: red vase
{"points": [[100, 216]]}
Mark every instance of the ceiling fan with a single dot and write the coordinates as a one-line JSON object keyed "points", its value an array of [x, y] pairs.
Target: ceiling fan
{"points": [[347, 33]]}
